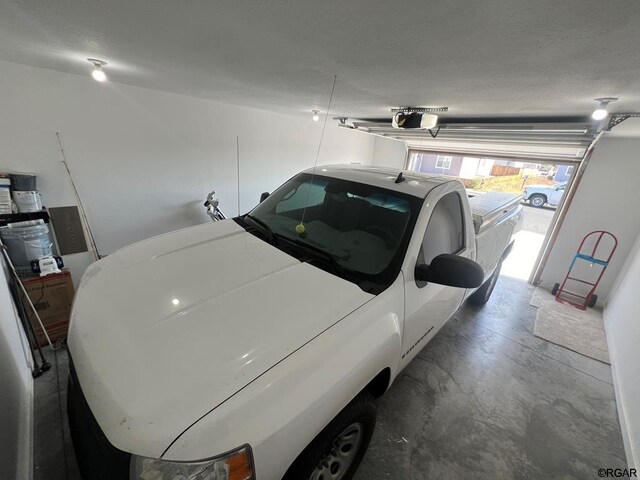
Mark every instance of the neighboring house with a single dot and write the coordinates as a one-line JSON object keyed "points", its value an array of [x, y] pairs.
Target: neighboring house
{"points": [[450, 165], [476, 167], [531, 169], [564, 173]]}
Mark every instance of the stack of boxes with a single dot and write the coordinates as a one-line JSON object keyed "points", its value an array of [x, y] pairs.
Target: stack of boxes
{"points": [[52, 297]]}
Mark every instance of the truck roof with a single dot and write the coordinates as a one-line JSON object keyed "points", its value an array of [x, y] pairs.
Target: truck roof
{"points": [[416, 184]]}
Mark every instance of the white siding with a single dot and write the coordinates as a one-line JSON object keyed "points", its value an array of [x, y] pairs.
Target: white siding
{"points": [[469, 167]]}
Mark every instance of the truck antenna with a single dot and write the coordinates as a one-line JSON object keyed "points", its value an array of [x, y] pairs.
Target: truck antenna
{"points": [[300, 227]]}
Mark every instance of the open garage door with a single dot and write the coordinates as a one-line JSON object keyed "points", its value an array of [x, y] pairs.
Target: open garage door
{"points": [[542, 139], [510, 153]]}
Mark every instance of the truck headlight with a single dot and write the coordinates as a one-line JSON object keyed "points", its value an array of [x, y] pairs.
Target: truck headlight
{"points": [[235, 465]]}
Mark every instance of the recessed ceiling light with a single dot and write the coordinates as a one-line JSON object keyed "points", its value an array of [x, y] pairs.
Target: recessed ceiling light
{"points": [[97, 73], [601, 112], [316, 115]]}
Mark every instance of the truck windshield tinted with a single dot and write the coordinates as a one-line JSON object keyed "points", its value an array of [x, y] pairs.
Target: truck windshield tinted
{"points": [[356, 231]]}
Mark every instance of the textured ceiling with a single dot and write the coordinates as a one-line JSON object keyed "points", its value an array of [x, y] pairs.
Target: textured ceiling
{"points": [[495, 57]]}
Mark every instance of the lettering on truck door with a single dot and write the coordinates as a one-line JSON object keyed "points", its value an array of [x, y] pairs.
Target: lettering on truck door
{"points": [[428, 306]]}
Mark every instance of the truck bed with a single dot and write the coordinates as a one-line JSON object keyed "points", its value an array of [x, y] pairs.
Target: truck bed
{"points": [[488, 208]]}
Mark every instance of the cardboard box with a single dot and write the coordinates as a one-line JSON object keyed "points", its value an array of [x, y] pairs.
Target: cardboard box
{"points": [[52, 297]]}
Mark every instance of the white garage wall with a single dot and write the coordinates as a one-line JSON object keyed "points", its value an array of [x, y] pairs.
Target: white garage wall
{"points": [[389, 153], [605, 200], [623, 334], [16, 394], [144, 160]]}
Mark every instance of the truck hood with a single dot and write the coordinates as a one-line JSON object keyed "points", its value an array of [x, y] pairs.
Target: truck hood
{"points": [[165, 330]]}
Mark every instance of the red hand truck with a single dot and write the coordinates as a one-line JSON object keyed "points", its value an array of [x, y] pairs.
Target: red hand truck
{"points": [[594, 260]]}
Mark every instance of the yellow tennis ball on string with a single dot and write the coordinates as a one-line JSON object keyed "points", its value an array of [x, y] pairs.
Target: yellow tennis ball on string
{"points": [[300, 228]]}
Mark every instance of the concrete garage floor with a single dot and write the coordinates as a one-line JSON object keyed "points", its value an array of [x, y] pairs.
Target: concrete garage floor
{"points": [[484, 400], [529, 241], [54, 458], [488, 400]]}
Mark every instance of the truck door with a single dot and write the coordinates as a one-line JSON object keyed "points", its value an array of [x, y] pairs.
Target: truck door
{"points": [[556, 195], [428, 305]]}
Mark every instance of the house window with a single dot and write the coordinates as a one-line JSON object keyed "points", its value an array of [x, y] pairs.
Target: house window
{"points": [[443, 162], [569, 171]]}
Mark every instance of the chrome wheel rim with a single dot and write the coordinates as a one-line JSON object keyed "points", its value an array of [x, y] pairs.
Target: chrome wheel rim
{"points": [[344, 448], [537, 202]]}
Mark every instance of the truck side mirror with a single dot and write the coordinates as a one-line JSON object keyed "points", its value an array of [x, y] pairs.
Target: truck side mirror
{"points": [[452, 271], [264, 196]]}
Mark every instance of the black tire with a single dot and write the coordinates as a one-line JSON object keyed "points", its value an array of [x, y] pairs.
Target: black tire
{"points": [[592, 300], [555, 289], [537, 200], [324, 448], [483, 294]]}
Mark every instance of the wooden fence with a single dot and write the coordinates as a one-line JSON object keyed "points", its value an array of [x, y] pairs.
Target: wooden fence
{"points": [[504, 170]]}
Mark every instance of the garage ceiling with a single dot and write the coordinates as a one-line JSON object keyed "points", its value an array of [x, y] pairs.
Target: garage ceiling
{"points": [[495, 57]]}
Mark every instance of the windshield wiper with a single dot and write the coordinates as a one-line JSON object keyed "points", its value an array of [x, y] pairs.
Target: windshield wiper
{"points": [[263, 226], [337, 268]]}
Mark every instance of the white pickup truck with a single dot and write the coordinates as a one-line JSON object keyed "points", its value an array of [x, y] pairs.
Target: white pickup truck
{"points": [[254, 347]]}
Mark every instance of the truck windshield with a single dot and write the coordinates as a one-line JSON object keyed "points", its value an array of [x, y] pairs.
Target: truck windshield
{"points": [[356, 231]]}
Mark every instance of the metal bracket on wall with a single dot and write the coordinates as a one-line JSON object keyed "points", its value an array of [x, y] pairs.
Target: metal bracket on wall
{"points": [[617, 118]]}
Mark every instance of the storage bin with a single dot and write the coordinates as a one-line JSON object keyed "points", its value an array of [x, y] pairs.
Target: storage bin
{"points": [[26, 243], [23, 182], [27, 201]]}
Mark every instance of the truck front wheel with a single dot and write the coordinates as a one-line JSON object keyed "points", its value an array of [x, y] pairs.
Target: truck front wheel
{"points": [[537, 200], [337, 451], [483, 294]]}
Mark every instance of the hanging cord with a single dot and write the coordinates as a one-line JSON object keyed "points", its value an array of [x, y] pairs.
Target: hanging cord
{"points": [[83, 214], [300, 226], [24, 341], [26, 295]]}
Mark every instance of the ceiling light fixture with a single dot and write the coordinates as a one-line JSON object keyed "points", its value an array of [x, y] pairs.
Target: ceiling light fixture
{"points": [[601, 112], [97, 73], [316, 115]]}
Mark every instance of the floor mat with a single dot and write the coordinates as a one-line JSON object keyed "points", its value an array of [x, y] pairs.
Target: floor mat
{"points": [[577, 330]]}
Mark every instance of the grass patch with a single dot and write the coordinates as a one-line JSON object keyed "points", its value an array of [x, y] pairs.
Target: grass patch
{"points": [[509, 183]]}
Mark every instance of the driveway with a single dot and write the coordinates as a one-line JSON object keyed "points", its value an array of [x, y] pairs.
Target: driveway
{"points": [[529, 240], [537, 220]]}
